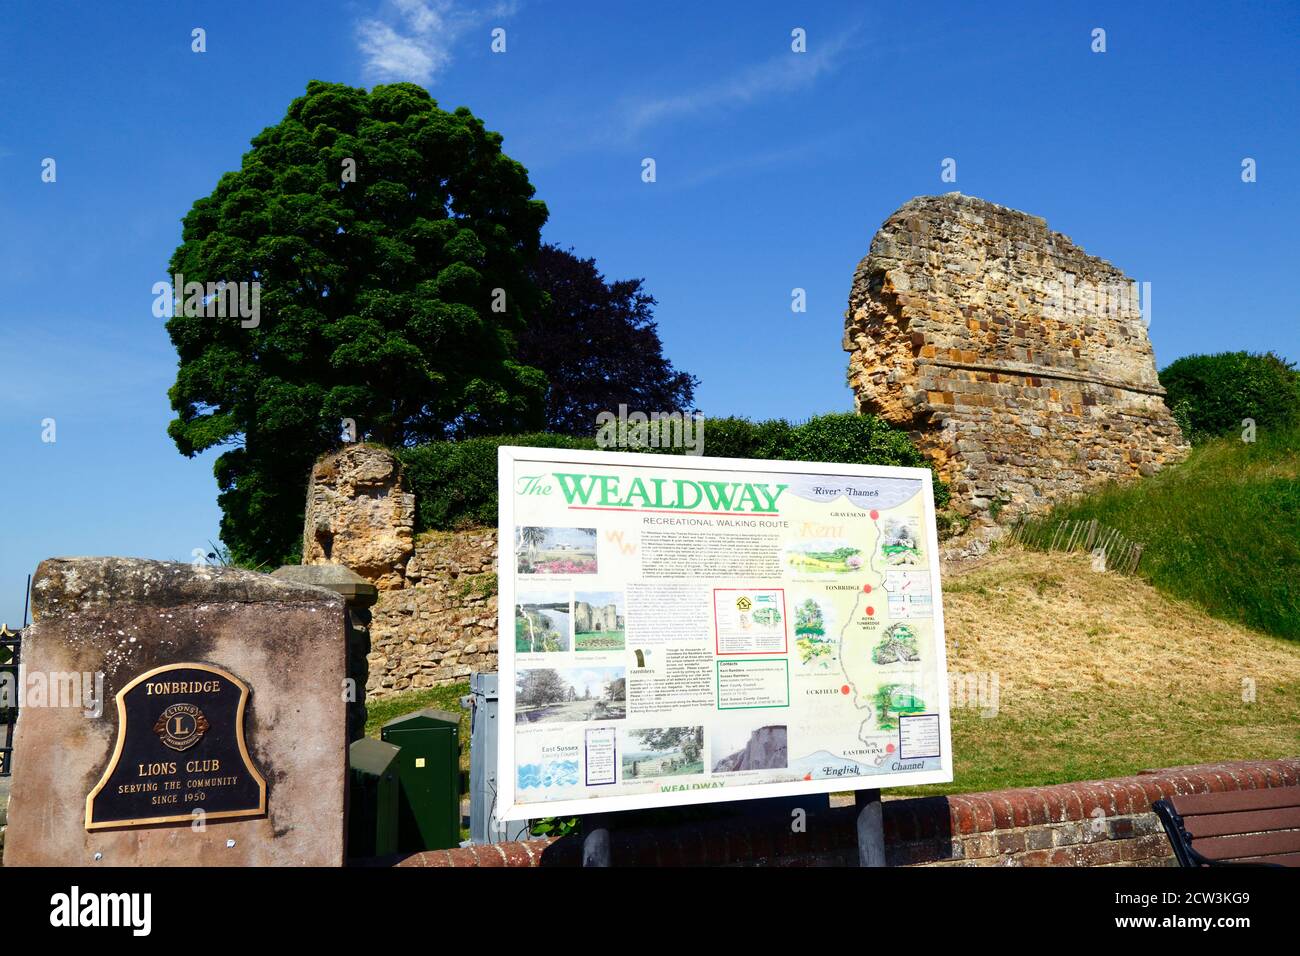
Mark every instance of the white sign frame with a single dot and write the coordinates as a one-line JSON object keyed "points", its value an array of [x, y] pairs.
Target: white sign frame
{"points": [[507, 809]]}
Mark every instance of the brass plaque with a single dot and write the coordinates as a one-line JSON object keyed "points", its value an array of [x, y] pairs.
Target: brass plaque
{"points": [[180, 750]]}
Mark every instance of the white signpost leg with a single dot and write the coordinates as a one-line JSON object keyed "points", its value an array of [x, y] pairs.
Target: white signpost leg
{"points": [[871, 831]]}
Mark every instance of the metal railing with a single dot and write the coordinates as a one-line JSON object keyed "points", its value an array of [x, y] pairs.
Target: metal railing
{"points": [[10, 658]]}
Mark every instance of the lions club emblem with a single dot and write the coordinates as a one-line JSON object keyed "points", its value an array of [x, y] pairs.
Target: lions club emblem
{"points": [[181, 726]]}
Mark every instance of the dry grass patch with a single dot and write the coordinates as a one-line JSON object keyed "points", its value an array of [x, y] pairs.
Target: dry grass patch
{"points": [[1101, 675], [1050, 624]]}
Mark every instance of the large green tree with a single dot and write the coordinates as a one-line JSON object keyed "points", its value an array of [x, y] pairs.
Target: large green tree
{"points": [[599, 345], [390, 240]]}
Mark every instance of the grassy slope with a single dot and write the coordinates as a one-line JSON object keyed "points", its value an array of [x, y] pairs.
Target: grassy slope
{"points": [[1102, 675], [1221, 529]]}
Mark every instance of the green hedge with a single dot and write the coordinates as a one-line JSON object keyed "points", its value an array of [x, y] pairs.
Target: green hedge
{"points": [[1210, 395], [455, 483]]}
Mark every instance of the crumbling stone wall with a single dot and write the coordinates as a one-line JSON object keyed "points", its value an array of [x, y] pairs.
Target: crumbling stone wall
{"points": [[1018, 363], [436, 617], [443, 623]]}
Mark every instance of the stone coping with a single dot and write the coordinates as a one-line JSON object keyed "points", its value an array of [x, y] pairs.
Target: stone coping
{"points": [[63, 586]]}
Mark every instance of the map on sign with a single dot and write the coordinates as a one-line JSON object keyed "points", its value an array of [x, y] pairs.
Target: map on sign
{"points": [[682, 630]]}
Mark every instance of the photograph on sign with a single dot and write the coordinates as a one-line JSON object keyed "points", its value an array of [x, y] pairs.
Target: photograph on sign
{"points": [[692, 630]]}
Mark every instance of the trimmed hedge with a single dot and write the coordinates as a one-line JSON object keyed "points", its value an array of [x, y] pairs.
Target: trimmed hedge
{"points": [[455, 483], [1210, 395]]}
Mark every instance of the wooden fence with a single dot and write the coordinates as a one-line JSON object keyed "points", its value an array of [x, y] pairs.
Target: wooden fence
{"points": [[1101, 541]]}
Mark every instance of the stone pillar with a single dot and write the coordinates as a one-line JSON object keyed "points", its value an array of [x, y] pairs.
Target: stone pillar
{"points": [[360, 596], [177, 716], [359, 516]]}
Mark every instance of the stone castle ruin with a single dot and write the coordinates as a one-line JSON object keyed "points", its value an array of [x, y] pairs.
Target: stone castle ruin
{"points": [[588, 619], [1018, 363]]}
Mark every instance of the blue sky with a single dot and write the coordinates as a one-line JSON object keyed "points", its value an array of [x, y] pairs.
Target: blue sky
{"points": [[774, 169]]}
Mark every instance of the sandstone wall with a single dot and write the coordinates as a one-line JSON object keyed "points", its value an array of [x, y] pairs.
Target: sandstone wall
{"points": [[436, 617], [442, 624], [122, 618], [1017, 362]]}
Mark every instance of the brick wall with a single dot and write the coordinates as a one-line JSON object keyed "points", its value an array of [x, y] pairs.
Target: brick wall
{"points": [[1095, 823]]}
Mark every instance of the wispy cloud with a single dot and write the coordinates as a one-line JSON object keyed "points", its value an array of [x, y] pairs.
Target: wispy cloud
{"points": [[751, 162], [784, 73], [413, 39]]}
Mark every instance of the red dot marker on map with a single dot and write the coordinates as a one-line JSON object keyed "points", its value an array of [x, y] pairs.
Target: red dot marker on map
{"points": [[875, 515], [870, 610], [866, 588], [889, 748], [844, 689]]}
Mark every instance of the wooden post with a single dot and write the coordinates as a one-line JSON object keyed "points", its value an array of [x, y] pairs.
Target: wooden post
{"points": [[871, 830]]}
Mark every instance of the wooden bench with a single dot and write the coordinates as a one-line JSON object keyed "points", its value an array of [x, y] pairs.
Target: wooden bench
{"points": [[1237, 828]]}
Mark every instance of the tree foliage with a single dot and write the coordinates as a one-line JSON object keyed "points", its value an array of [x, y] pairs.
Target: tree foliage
{"points": [[390, 240], [1213, 395], [598, 344], [808, 618], [541, 686], [455, 482], [689, 740]]}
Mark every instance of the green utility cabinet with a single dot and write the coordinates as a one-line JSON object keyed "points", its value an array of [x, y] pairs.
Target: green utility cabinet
{"points": [[374, 798], [429, 770]]}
